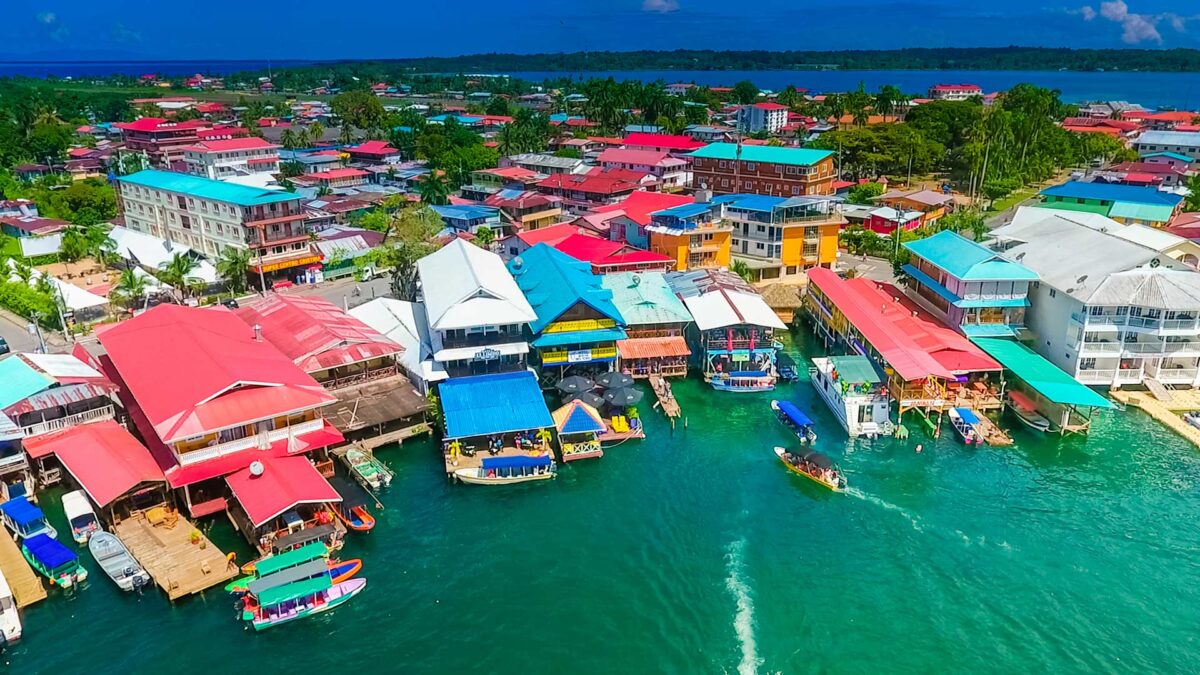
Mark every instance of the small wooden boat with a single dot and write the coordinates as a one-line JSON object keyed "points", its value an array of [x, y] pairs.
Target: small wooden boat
{"points": [[54, 561], [743, 381], [279, 605], [794, 418], [814, 466], [117, 562], [367, 470], [356, 518], [80, 516], [788, 374], [509, 470], [343, 570], [10, 619], [1026, 411], [25, 520], [964, 420]]}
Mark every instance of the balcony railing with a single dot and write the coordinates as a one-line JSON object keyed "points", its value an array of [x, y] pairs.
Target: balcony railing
{"points": [[1097, 376], [481, 340], [263, 439], [94, 415], [16, 462], [1169, 375], [1100, 348], [358, 378]]}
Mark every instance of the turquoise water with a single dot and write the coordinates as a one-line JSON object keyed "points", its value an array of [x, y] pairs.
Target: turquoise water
{"points": [[695, 551]]}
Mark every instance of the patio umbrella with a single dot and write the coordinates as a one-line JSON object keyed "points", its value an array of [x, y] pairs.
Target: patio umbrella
{"points": [[612, 380], [575, 384], [588, 398], [623, 396]]}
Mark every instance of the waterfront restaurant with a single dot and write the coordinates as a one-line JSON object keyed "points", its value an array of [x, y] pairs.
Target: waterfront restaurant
{"points": [[577, 326], [49, 392], [352, 361], [475, 313], [579, 428], [208, 397], [733, 326], [501, 414], [276, 498], [928, 366], [655, 322]]}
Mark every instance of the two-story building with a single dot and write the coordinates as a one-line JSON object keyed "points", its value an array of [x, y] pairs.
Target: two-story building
{"points": [[763, 169], [656, 322], [475, 312], [577, 326], [931, 205], [672, 172], [209, 216], [544, 164], [674, 145], [694, 235], [968, 286], [469, 217], [584, 192], [524, 210], [954, 92], [334, 179], [1126, 204], [1186, 143], [231, 158]]}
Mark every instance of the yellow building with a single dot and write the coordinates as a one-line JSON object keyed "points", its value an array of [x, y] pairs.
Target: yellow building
{"points": [[780, 237]]}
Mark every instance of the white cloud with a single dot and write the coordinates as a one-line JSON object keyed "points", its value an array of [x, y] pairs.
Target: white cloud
{"points": [[660, 6], [1135, 28], [1087, 12], [47, 18]]}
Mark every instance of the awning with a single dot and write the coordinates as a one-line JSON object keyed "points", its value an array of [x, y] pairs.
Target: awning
{"points": [[282, 594], [285, 482], [1041, 375], [282, 561], [577, 417], [481, 353], [517, 462], [653, 347], [306, 536], [49, 552], [487, 405], [104, 458], [308, 570], [967, 415], [22, 512], [572, 337], [796, 415]]}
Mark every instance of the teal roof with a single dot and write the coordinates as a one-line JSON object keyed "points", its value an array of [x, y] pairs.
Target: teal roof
{"points": [[988, 330], [578, 337], [855, 369], [20, 381], [768, 154], [968, 260], [242, 195], [1151, 213], [1172, 155], [554, 282], [1040, 374], [957, 301], [645, 298]]}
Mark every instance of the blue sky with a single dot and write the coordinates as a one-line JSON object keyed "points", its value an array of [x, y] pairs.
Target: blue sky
{"points": [[71, 29]]}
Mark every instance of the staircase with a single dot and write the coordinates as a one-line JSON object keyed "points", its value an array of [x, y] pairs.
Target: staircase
{"points": [[1160, 392]]}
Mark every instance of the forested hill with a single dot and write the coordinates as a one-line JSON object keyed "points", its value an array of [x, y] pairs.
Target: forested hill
{"points": [[982, 58]]}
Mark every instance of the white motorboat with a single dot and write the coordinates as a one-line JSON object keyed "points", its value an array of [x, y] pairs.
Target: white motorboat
{"points": [[117, 562], [80, 516]]}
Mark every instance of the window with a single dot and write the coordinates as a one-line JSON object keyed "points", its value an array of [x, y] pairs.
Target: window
{"points": [[1052, 293], [723, 164], [751, 166]]}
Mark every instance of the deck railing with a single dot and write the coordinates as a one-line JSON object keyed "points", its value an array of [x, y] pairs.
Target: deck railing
{"points": [[94, 415], [262, 439]]}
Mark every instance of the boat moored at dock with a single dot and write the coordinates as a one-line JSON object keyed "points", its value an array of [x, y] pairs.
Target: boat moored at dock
{"points": [[508, 470], [25, 520], [743, 381], [1026, 411], [815, 466], [10, 618], [794, 418], [54, 561], [117, 562], [854, 393], [80, 516], [965, 423], [277, 605]]}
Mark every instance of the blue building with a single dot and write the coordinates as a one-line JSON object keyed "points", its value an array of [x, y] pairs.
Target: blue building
{"points": [[469, 217]]}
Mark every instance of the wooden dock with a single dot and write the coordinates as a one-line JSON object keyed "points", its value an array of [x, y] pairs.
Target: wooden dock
{"points": [[26, 587], [992, 434], [396, 436], [1168, 412], [178, 556], [666, 399]]}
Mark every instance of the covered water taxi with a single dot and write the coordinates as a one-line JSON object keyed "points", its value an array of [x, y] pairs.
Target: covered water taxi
{"points": [[813, 465], [794, 418]]}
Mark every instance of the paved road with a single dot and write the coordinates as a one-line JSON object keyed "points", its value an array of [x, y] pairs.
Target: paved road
{"points": [[15, 332], [876, 269], [347, 292]]}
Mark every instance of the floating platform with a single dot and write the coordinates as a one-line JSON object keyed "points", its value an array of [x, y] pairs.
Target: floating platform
{"points": [[992, 434], [1167, 412], [180, 564], [26, 586], [476, 461]]}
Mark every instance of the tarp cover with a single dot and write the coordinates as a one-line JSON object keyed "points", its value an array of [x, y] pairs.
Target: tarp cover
{"points": [[305, 536], [275, 596], [49, 552], [967, 415], [21, 512], [308, 570], [793, 413], [518, 462]]}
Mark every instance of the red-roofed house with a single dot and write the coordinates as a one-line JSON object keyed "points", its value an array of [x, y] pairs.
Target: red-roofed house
{"points": [[276, 486], [208, 396], [230, 157], [334, 178], [756, 117], [628, 218], [607, 256], [221, 133], [373, 151], [161, 139], [31, 226], [954, 92], [583, 192], [516, 244], [671, 172], [1163, 121], [677, 146]]}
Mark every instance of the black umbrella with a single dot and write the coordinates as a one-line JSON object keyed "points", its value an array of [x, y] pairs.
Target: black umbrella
{"points": [[575, 384], [588, 398], [613, 380], [623, 396]]}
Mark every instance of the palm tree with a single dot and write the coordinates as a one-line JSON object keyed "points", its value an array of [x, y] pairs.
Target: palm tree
{"points": [[544, 436], [289, 139], [485, 236], [23, 270], [74, 246], [233, 267], [177, 273], [740, 268], [315, 132], [434, 188], [346, 135], [130, 288]]}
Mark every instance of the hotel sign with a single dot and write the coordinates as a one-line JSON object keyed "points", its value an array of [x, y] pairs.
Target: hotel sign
{"points": [[284, 264], [487, 355]]}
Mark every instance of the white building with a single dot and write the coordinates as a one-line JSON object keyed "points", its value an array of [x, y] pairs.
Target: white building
{"points": [[954, 92], [475, 312], [404, 323], [1107, 310], [230, 157], [769, 117], [1179, 142]]}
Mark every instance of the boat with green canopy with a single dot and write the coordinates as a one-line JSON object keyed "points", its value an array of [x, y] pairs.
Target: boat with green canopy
{"points": [[276, 605], [280, 561]]}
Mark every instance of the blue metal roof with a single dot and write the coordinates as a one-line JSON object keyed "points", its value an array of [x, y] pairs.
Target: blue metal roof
{"points": [[466, 211], [1172, 155], [684, 210], [485, 405], [967, 260], [795, 414], [749, 202], [21, 512], [461, 119], [517, 462], [554, 282], [1112, 192], [575, 337], [49, 552], [232, 193], [645, 298]]}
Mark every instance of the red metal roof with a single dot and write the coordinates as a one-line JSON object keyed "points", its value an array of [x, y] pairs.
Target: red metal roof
{"points": [[334, 174], [104, 458], [514, 172], [598, 182], [315, 333], [639, 205], [232, 144], [525, 200], [911, 341], [161, 124], [380, 148], [666, 141], [955, 87], [770, 106], [607, 253], [641, 157], [193, 371], [285, 483], [550, 235]]}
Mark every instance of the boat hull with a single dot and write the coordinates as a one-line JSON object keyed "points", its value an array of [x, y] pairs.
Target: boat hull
{"points": [[350, 589], [1033, 421], [344, 570], [781, 454], [359, 520], [472, 477], [591, 454]]}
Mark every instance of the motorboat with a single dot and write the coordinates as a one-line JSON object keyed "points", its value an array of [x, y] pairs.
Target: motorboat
{"points": [[509, 470], [10, 619], [964, 421], [117, 562], [1026, 411], [80, 516], [813, 465], [25, 519], [794, 418]]}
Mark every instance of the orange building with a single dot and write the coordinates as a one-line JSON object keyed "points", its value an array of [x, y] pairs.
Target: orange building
{"points": [[931, 205], [695, 236]]}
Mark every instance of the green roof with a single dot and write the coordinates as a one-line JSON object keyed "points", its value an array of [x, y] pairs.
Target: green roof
{"points": [[767, 154], [967, 260], [292, 558], [1151, 213], [204, 188], [300, 589], [1040, 374], [20, 381], [988, 330], [855, 369], [645, 298]]}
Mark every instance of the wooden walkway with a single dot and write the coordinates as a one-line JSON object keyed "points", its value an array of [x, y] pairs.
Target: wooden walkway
{"points": [[666, 399], [992, 434], [1166, 412], [179, 566], [397, 436], [27, 588]]}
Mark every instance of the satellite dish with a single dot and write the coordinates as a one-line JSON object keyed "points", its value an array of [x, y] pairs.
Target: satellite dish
{"points": [[517, 263], [257, 468]]}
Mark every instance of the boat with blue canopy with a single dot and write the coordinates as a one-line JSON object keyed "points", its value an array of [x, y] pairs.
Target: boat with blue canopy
{"points": [[743, 381], [26, 520], [794, 418], [54, 561], [964, 421], [509, 470]]}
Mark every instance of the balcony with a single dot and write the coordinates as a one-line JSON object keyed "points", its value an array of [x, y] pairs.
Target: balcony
{"points": [[1090, 348], [94, 415], [564, 357], [261, 440], [481, 340], [14, 462], [1169, 375], [1098, 376]]}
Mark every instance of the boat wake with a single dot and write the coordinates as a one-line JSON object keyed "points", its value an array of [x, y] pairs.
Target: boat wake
{"points": [[908, 515], [743, 621]]}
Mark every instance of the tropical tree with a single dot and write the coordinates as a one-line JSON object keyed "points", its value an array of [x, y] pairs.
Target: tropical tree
{"points": [[314, 133], [1192, 201], [740, 268], [23, 270], [484, 237], [434, 188], [290, 139], [130, 288], [233, 267], [177, 273], [74, 246]]}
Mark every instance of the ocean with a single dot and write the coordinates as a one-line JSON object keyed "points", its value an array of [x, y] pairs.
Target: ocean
{"points": [[695, 551]]}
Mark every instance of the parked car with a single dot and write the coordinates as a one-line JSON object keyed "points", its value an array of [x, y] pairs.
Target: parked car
{"points": [[4, 348], [230, 303]]}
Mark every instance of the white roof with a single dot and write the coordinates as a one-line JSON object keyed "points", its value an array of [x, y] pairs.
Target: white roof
{"points": [[724, 307], [403, 323], [465, 286], [150, 251], [1146, 287], [75, 297], [1179, 138], [1149, 237], [61, 365], [465, 353], [894, 215]]}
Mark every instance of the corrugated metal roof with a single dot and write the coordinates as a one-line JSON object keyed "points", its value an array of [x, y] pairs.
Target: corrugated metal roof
{"points": [[554, 282], [205, 188], [765, 154], [968, 260], [485, 405], [645, 298]]}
